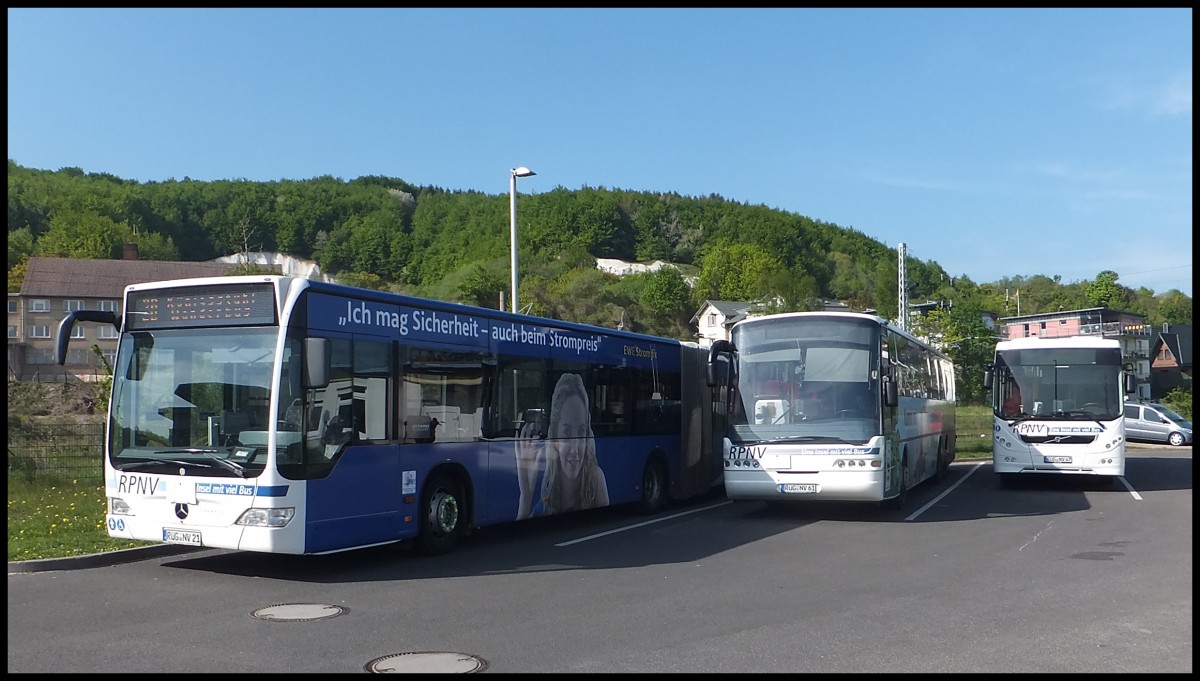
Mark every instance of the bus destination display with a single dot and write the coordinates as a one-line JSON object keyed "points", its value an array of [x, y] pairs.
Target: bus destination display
{"points": [[242, 305]]}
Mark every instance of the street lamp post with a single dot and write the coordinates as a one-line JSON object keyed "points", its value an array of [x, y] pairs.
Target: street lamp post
{"points": [[512, 232]]}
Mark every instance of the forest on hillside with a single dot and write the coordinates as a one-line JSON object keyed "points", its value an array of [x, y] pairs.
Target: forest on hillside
{"points": [[387, 234]]}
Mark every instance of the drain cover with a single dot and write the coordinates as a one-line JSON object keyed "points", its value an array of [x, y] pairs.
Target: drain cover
{"points": [[427, 661], [298, 612]]}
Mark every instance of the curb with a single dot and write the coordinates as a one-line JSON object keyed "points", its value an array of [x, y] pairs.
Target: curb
{"points": [[103, 559]]}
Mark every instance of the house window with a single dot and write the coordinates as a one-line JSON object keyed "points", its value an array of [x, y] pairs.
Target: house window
{"points": [[1043, 326], [40, 356], [107, 332], [12, 306], [107, 306], [712, 318], [77, 331], [39, 331], [110, 356], [12, 331], [77, 356], [39, 305], [72, 305]]}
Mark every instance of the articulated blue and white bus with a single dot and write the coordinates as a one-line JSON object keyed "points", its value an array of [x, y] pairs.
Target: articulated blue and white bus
{"points": [[284, 415], [832, 406]]}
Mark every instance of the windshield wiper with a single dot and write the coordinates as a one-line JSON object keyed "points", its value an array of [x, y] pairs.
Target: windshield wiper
{"points": [[1077, 413], [135, 465], [187, 450], [809, 438], [211, 454]]}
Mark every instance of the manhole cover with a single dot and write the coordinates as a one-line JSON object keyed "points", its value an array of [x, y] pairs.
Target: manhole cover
{"points": [[428, 661], [298, 612]]}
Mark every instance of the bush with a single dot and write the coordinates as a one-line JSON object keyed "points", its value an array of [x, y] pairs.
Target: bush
{"points": [[1180, 399]]}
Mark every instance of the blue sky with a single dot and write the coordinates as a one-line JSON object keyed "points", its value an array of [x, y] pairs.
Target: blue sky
{"points": [[996, 142]]}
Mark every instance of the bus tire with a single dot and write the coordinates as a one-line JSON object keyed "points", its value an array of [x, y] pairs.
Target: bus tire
{"points": [[443, 515], [943, 460], [654, 487]]}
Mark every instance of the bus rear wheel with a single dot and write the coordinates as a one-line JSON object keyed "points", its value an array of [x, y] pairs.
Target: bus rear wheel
{"points": [[654, 487], [442, 515], [943, 460]]}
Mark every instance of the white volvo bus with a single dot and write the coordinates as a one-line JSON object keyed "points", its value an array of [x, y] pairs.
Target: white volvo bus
{"points": [[1057, 407]]}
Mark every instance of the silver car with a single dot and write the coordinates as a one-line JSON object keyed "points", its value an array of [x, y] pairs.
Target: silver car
{"points": [[1151, 422]]}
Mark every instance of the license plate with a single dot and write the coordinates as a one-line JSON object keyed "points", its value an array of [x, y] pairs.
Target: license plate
{"points": [[1056, 459], [181, 537], [799, 488]]}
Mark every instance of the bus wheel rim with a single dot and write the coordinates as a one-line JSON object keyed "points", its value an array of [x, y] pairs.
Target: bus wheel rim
{"points": [[443, 513]]}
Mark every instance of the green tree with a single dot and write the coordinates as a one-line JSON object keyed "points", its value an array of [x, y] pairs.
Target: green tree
{"points": [[736, 271], [1104, 291], [482, 286], [16, 276], [20, 245], [960, 332], [1175, 307], [82, 235]]}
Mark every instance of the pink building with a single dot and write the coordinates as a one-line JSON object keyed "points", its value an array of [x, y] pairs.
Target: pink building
{"points": [[1129, 328]]}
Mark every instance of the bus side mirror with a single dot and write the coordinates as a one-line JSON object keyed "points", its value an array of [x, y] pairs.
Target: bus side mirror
{"points": [[318, 356], [890, 396], [1130, 386], [987, 378], [68, 323], [719, 347]]}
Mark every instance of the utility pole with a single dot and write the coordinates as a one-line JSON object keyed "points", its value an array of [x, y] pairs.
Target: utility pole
{"points": [[902, 315]]}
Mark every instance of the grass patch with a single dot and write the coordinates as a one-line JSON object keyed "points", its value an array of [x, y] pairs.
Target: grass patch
{"points": [[58, 518], [974, 425]]}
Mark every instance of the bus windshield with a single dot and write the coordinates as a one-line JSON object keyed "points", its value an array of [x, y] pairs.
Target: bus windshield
{"points": [[807, 381], [192, 398], [1059, 383]]}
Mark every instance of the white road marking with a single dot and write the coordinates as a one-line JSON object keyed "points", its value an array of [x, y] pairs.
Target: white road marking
{"points": [[643, 524]]}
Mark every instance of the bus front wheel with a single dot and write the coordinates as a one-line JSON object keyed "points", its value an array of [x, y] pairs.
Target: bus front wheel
{"points": [[442, 515], [897, 502]]}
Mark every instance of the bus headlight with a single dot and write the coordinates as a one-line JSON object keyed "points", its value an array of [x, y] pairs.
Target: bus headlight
{"points": [[266, 517], [117, 506]]}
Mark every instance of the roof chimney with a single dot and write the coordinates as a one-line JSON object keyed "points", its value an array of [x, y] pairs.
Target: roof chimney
{"points": [[130, 252]]}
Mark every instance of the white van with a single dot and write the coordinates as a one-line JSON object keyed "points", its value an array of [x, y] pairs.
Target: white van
{"points": [[1151, 422]]}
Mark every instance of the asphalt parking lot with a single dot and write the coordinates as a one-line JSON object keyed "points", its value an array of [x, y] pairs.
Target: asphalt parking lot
{"points": [[163, 550]]}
